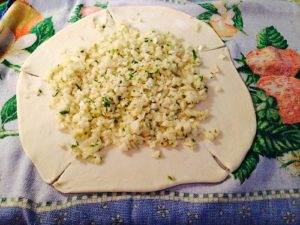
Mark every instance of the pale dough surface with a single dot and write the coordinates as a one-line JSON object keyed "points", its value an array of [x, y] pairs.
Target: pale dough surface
{"points": [[231, 110]]}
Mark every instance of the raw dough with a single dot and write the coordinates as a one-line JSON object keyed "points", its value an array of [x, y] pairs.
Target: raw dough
{"points": [[232, 112]]}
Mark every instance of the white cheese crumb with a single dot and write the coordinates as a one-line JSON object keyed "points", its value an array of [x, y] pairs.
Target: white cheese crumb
{"points": [[190, 143], [214, 69], [218, 89], [98, 159], [63, 146], [124, 147], [156, 154], [222, 56], [200, 48], [171, 178], [151, 81], [212, 134], [211, 75]]}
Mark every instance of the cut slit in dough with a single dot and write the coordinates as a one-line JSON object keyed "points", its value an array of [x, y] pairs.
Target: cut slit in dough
{"points": [[137, 172]]}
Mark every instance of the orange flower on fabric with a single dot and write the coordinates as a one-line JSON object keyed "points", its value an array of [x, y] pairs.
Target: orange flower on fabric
{"points": [[16, 53], [222, 22]]}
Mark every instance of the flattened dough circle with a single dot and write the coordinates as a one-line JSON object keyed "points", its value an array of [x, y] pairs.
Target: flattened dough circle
{"points": [[231, 110]]}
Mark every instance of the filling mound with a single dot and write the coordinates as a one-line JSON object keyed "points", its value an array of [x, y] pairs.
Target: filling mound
{"points": [[127, 90]]}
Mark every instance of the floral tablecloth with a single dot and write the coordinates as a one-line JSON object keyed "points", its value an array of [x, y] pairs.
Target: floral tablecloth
{"points": [[265, 189]]}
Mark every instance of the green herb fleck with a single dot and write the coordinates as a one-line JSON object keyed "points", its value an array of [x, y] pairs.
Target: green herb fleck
{"points": [[134, 61], [56, 93], [74, 145], [150, 75], [39, 92], [106, 102], [64, 112], [171, 178], [206, 88], [131, 75], [95, 144], [194, 54], [78, 87]]}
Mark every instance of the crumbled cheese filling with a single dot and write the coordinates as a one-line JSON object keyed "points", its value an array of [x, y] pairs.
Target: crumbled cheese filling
{"points": [[127, 90], [212, 134]]}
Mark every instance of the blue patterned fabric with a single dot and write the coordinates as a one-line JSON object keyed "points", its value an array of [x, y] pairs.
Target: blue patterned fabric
{"points": [[266, 212]]}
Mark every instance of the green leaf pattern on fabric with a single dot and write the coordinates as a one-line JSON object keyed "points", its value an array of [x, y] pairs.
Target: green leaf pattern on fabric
{"points": [[8, 113], [3, 5], [76, 14], [273, 138], [277, 140], [77, 11], [205, 16], [210, 7], [237, 19], [16, 68], [101, 5], [269, 36], [245, 69], [43, 30], [247, 166]]}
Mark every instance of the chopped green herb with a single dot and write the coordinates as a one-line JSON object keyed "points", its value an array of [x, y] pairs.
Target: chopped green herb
{"points": [[64, 112], [134, 61], [157, 70], [149, 75], [82, 51], [131, 75], [103, 26], [106, 102], [146, 39], [39, 92], [171, 178], [74, 145], [194, 54], [206, 88], [95, 144], [56, 93], [78, 86]]}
